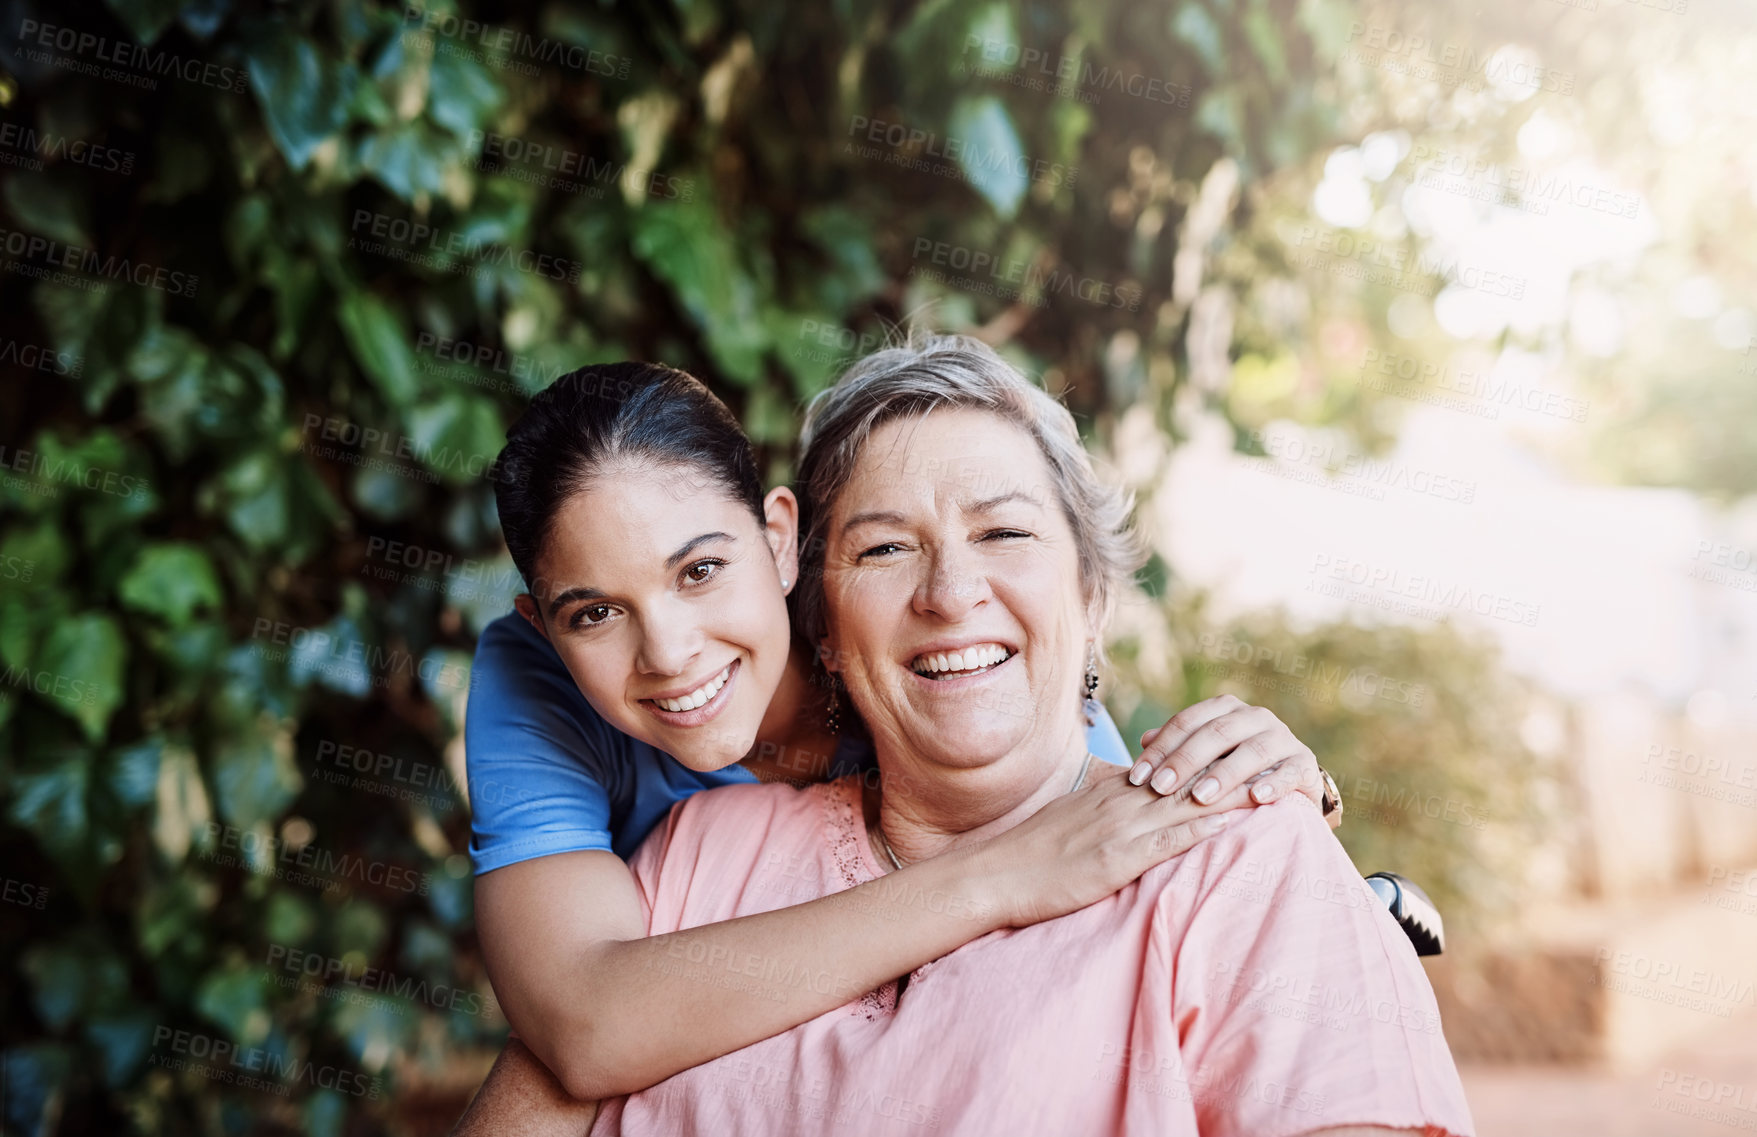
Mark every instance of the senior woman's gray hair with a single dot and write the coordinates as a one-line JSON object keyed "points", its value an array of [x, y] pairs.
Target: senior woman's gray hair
{"points": [[930, 372]]}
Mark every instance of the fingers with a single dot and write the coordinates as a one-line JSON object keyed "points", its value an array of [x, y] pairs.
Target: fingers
{"points": [[1182, 838], [1179, 831], [1305, 777], [1160, 749], [1252, 739], [1269, 764]]}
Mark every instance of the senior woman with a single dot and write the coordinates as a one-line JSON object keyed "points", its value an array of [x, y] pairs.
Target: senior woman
{"points": [[960, 564]]}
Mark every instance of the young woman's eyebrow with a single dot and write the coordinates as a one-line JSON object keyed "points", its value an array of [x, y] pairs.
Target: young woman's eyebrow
{"points": [[692, 544]]}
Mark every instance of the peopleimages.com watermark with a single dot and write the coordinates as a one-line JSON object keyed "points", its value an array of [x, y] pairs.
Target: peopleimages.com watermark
{"points": [[1670, 7], [118, 61], [434, 570], [832, 344], [1479, 179], [1320, 463], [1673, 983], [337, 979], [45, 259], [308, 865], [1065, 76], [1389, 804], [1337, 1006], [1322, 677], [319, 652], [223, 1060], [1731, 889], [31, 357], [480, 365], [1717, 562], [1162, 1073], [1396, 51], [418, 243], [1708, 776], [1412, 594], [928, 151], [390, 451], [1482, 394], [1705, 1097], [503, 48], [568, 171], [356, 767], [45, 475], [69, 689], [30, 149], [24, 893], [1010, 278], [1353, 257]]}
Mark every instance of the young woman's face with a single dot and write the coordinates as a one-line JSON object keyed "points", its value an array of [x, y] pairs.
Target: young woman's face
{"points": [[663, 597]]}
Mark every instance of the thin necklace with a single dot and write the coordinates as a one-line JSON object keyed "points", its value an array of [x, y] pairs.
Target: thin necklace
{"points": [[892, 853]]}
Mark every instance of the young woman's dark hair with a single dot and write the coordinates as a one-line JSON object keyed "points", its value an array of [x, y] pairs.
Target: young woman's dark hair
{"points": [[640, 412]]}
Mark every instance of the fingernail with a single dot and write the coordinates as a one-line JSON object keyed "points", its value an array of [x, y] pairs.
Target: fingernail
{"points": [[1165, 780], [1206, 790], [1217, 822], [1138, 773], [1263, 792]]}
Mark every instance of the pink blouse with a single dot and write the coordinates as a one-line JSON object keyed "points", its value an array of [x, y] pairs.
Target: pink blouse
{"points": [[1253, 985]]}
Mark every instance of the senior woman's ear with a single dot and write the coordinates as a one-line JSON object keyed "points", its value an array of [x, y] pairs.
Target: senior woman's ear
{"points": [[781, 529]]}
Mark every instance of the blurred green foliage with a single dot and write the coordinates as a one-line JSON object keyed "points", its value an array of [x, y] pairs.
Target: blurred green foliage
{"points": [[327, 253], [1421, 728]]}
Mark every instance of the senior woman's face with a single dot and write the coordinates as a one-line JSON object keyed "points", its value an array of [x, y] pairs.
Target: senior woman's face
{"points": [[954, 606]]}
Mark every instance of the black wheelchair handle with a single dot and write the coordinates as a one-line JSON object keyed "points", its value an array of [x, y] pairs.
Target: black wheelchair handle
{"points": [[1412, 910]]}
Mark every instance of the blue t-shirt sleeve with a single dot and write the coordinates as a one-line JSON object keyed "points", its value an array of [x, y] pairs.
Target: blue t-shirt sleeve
{"points": [[1105, 741], [541, 777]]}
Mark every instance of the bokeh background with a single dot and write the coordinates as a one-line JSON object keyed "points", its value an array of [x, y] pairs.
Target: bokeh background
{"points": [[1426, 334]]}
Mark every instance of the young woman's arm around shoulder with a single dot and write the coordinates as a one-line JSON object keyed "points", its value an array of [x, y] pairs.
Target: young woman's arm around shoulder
{"points": [[594, 999]]}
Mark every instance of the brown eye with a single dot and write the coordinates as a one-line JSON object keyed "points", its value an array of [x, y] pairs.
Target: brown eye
{"points": [[592, 614], [702, 571]]}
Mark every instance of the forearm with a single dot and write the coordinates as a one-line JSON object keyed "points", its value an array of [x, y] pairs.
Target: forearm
{"points": [[521, 1096], [634, 1012]]}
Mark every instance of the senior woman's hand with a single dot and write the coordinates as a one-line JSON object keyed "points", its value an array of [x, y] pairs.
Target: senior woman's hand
{"points": [[1217, 745], [1085, 845]]}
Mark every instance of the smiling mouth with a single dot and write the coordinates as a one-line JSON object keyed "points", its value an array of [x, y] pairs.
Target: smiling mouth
{"points": [[972, 660], [698, 697]]}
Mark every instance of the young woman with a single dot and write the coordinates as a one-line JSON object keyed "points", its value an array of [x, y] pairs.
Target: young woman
{"points": [[653, 657]]}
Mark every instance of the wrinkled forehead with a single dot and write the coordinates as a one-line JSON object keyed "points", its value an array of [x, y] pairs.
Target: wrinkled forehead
{"points": [[947, 457]]}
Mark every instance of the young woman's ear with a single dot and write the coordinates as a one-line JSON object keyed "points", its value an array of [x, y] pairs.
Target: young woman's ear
{"points": [[526, 604], [781, 529]]}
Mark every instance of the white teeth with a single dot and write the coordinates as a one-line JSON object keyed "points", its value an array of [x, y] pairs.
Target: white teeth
{"points": [[699, 696], [969, 659]]}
